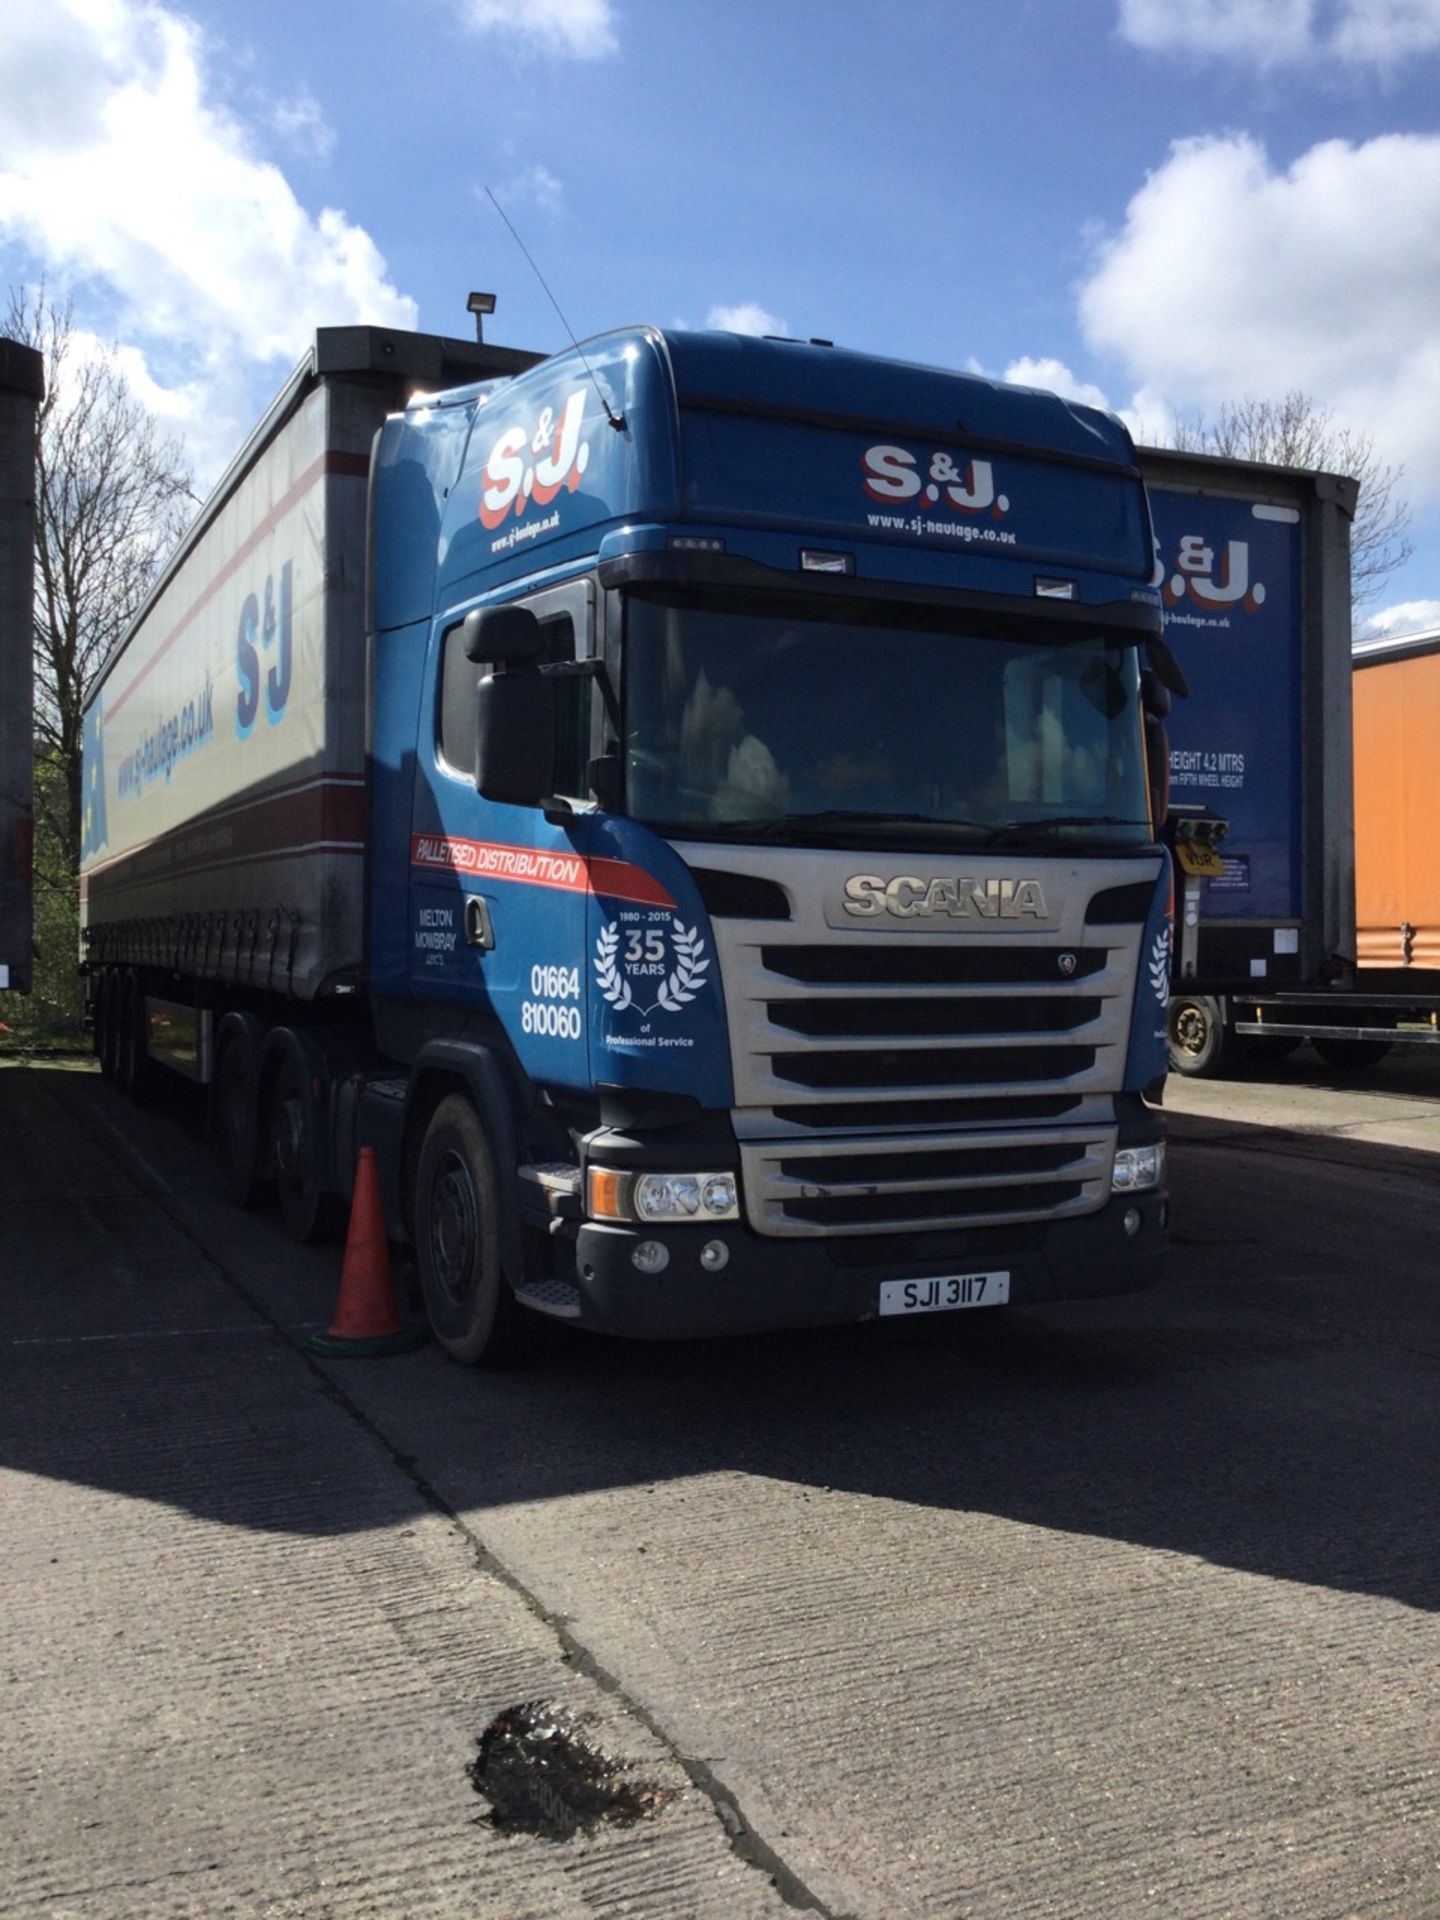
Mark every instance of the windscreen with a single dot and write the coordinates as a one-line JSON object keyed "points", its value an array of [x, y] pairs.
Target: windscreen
{"points": [[749, 719]]}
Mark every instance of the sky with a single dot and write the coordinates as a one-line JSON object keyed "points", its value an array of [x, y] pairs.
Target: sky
{"points": [[1157, 206]]}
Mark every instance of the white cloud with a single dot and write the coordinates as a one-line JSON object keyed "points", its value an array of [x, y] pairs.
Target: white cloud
{"points": [[1386, 31], [1230, 280], [1273, 33], [536, 187], [1407, 616], [1055, 377], [120, 173], [749, 317], [576, 29], [1267, 31], [301, 122]]}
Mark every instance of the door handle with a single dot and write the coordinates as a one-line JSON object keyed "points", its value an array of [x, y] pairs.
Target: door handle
{"points": [[478, 930]]}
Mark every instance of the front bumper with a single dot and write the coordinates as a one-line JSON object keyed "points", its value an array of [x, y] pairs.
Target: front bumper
{"points": [[771, 1283]]}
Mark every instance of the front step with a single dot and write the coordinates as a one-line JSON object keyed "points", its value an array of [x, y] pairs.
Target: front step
{"points": [[555, 1297]]}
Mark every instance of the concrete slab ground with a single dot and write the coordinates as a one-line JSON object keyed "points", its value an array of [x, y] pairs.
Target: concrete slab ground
{"points": [[1125, 1607], [246, 1656]]}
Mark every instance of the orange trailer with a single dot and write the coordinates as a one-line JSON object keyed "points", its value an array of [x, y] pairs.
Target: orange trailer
{"points": [[1391, 995], [1397, 786]]}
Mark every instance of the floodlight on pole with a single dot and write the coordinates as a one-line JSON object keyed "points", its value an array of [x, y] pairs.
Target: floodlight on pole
{"points": [[480, 304]]}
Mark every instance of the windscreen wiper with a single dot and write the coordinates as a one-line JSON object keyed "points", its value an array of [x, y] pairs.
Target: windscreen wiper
{"points": [[1012, 830], [788, 824]]}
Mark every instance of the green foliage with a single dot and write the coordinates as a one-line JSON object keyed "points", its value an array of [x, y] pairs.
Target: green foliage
{"points": [[51, 1015]]}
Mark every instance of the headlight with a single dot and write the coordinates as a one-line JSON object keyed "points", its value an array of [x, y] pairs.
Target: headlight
{"points": [[1138, 1168], [662, 1199]]}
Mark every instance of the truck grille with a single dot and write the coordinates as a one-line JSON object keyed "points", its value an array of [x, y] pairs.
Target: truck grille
{"points": [[893, 1081], [907, 1183]]}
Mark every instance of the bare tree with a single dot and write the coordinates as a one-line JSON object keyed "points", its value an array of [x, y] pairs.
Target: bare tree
{"points": [[1296, 431], [113, 492]]}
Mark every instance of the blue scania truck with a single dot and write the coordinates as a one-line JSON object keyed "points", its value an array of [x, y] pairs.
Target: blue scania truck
{"points": [[688, 803]]}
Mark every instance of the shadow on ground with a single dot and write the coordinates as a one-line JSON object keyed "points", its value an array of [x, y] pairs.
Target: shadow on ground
{"points": [[1270, 1407]]}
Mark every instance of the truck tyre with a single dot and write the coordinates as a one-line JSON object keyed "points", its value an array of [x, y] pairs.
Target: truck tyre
{"points": [[105, 1024], [310, 1216], [132, 1064], [235, 1123], [1351, 1056], [1202, 1046], [471, 1309], [1274, 1046]]}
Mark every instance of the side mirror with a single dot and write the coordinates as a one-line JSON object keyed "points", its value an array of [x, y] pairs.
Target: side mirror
{"points": [[1154, 694], [505, 635], [515, 737], [1157, 768], [1167, 667]]}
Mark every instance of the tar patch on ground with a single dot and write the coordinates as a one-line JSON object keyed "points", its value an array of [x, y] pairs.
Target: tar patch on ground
{"points": [[543, 1775]]}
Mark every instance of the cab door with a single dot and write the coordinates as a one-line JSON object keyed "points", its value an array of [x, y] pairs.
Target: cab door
{"points": [[498, 892]]}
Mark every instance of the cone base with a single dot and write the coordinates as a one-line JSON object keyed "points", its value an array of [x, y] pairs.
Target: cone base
{"points": [[344, 1346]]}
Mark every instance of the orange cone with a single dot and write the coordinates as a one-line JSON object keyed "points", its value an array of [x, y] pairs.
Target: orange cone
{"points": [[365, 1321]]}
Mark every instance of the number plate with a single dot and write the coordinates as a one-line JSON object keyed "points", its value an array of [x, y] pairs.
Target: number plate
{"points": [[945, 1294]]}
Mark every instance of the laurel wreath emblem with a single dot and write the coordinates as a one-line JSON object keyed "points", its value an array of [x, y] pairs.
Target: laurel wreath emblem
{"points": [[1160, 965], [690, 967], [684, 980], [613, 985]]}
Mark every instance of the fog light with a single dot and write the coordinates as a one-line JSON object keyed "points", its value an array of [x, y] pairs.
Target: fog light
{"points": [[1131, 1222], [1137, 1169], [714, 1256], [651, 1257]]}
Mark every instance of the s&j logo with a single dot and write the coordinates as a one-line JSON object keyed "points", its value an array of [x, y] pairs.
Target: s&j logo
{"points": [[526, 466], [893, 475], [1195, 576]]}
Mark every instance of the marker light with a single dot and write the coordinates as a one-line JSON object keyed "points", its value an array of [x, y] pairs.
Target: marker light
{"points": [[606, 1194], [1138, 1168]]}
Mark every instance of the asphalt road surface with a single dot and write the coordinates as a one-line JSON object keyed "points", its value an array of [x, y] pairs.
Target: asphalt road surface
{"points": [[1109, 1610]]}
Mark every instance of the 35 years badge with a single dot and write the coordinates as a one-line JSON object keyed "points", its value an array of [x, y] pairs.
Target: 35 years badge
{"points": [[651, 962]]}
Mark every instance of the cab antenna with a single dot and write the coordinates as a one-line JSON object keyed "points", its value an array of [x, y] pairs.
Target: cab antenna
{"points": [[617, 420]]}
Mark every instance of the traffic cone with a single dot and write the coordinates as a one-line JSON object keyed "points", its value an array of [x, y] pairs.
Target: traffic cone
{"points": [[365, 1322]]}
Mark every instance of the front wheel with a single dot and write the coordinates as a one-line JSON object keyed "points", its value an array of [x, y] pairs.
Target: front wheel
{"points": [[1202, 1046], [471, 1309]]}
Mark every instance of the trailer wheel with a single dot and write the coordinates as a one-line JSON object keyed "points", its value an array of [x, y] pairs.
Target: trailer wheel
{"points": [[132, 1063], [472, 1311], [1202, 1046], [309, 1216], [235, 1121], [1274, 1046], [105, 1024], [1350, 1056]]}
